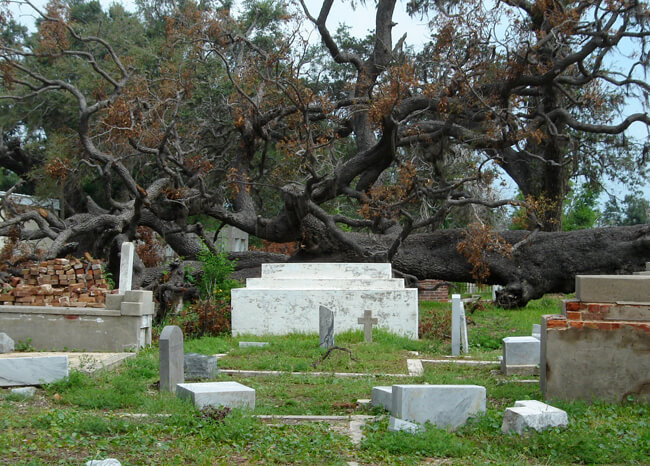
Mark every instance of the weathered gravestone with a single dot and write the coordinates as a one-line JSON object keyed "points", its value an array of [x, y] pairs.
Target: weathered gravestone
{"points": [[325, 327], [520, 355], [199, 366], [126, 267], [171, 358], [6, 343]]}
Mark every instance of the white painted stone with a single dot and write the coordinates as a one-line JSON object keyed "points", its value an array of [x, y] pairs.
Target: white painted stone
{"points": [[6, 343], [26, 392], [32, 370], [226, 394], [248, 344], [323, 284], [414, 366], [396, 425], [445, 406], [382, 396], [464, 343], [106, 462], [532, 414], [126, 267], [520, 351], [537, 331], [279, 312], [455, 324], [327, 270]]}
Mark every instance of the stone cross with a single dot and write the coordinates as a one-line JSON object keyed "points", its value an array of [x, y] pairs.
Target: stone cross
{"points": [[325, 327], [171, 364], [126, 267], [367, 320]]}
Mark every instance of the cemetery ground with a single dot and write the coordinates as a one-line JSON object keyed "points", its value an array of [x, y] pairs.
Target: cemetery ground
{"points": [[119, 413]]}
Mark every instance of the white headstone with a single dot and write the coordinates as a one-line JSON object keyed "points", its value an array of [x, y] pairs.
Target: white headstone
{"points": [[126, 267], [325, 327], [458, 325], [227, 394]]}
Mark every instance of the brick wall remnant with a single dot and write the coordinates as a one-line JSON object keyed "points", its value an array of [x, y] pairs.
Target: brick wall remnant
{"points": [[427, 290]]}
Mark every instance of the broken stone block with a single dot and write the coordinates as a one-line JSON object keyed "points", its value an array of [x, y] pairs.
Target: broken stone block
{"points": [[532, 414], [6, 343], [445, 406], [25, 392], [395, 425]]}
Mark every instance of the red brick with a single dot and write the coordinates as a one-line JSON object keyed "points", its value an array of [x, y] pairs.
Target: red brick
{"points": [[556, 323], [604, 326], [572, 315], [576, 324]]}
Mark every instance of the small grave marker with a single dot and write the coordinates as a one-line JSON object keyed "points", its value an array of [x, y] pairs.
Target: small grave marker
{"points": [[171, 358], [458, 326], [126, 267], [367, 320], [325, 327]]}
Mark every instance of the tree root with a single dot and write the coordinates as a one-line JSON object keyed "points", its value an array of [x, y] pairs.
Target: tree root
{"points": [[329, 351]]}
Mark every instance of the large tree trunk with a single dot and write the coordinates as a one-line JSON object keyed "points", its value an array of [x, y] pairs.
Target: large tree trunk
{"points": [[544, 262]]}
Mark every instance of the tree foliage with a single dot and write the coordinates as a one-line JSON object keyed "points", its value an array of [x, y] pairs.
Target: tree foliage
{"points": [[191, 110]]}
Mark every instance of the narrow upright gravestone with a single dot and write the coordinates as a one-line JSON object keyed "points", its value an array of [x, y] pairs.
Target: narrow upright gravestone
{"points": [[368, 321], [458, 326], [126, 267], [325, 327], [171, 358]]}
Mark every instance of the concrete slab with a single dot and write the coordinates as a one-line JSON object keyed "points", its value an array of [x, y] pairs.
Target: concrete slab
{"points": [[382, 396], [6, 343], [323, 284], [84, 362], [32, 370], [613, 288], [446, 406], [308, 270], [226, 394], [532, 414]]}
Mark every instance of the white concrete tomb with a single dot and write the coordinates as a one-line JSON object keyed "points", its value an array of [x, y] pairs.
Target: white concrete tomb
{"points": [[520, 355], [288, 296], [226, 394]]}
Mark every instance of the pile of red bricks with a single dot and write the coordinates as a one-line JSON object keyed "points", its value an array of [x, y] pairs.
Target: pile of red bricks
{"points": [[58, 282], [426, 291]]}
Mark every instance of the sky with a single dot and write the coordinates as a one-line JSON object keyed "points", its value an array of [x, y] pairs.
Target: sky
{"points": [[361, 21]]}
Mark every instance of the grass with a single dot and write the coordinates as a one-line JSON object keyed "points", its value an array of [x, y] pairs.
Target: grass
{"points": [[89, 417]]}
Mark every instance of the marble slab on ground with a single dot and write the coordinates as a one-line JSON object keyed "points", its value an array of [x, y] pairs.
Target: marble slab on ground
{"points": [[32, 370], [226, 394], [84, 362]]}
